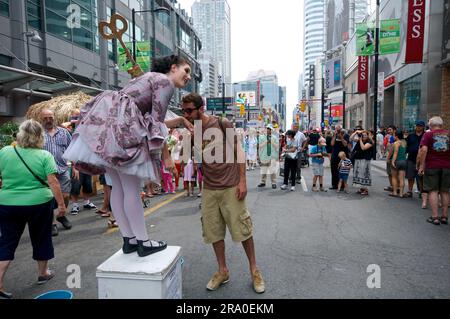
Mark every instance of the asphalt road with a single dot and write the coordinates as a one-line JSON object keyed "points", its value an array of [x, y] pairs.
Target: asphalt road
{"points": [[308, 245]]}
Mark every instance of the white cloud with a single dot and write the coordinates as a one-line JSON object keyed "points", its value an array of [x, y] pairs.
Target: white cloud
{"points": [[266, 35]]}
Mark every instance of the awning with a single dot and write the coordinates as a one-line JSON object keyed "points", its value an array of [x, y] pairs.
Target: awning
{"points": [[14, 81]]}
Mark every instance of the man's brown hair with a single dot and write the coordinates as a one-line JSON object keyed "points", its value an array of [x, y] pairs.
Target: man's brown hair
{"points": [[194, 98]]}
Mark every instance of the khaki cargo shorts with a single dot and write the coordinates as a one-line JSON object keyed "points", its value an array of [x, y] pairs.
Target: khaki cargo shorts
{"points": [[221, 208]]}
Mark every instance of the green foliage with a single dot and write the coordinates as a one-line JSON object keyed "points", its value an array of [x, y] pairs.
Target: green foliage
{"points": [[7, 130]]}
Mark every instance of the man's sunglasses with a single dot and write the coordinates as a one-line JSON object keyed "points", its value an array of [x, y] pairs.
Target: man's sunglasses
{"points": [[188, 111]]}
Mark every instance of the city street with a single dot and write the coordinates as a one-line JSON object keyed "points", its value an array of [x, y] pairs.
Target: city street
{"points": [[308, 245]]}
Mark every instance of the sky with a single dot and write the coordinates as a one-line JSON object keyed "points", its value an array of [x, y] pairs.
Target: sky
{"points": [[266, 35]]}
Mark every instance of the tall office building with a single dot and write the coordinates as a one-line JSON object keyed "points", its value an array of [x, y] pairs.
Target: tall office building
{"points": [[314, 16], [340, 20], [212, 23]]}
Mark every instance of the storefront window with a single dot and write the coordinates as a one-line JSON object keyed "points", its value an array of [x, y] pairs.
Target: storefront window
{"points": [[353, 117], [410, 102]]}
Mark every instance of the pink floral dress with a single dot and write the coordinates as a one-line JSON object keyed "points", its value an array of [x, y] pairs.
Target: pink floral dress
{"points": [[124, 130]]}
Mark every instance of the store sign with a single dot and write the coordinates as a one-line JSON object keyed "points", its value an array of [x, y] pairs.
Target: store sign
{"points": [[380, 86], [390, 36], [219, 84], [363, 74], [365, 39], [416, 31], [337, 111], [246, 98], [143, 53], [312, 75], [216, 103], [333, 74], [389, 81]]}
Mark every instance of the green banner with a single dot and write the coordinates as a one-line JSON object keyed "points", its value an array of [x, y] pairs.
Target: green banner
{"points": [[365, 39], [390, 36], [143, 54]]}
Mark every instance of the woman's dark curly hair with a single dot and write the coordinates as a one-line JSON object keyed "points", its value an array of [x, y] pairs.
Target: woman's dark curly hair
{"points": [[164, 64]]}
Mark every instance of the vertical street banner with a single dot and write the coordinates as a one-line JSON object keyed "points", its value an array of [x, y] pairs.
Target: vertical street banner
{"points": [[390, 36], [380, 87], [365, 39], [363, 74], [143, 53], [416, 31]]}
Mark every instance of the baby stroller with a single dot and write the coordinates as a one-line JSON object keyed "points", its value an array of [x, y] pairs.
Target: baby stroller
{"points": [[304, 158]]}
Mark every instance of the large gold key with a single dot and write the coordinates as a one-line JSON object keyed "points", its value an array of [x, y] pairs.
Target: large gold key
{"points": [[117, 33]]}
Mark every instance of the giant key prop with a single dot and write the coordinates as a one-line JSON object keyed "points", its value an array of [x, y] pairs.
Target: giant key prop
{"points": [[117, 33]]}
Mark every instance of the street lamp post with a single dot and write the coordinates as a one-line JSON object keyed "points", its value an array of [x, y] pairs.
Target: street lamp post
{"points": [[223, 99], [375, 90], [323, 102], [133, 22]]}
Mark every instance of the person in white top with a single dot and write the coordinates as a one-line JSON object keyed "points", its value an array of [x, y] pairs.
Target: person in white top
{"points": [[301, 142], [380, 145], [176, 151]]}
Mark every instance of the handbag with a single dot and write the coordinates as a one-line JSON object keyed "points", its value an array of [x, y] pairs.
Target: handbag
{"points": [[35, 176]]}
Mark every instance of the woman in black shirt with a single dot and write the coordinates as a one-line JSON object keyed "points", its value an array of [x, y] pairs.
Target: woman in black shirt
{"points": [[363, 153]]}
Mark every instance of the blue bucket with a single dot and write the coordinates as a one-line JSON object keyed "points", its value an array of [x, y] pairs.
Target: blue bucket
{"points": [[56, 294]]}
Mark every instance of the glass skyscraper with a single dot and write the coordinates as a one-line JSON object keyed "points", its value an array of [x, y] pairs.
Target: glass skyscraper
{"points": [[212, 23]]}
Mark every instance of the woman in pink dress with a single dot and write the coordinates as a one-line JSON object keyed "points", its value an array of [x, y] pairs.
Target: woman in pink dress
{"points": [[122, 133]]}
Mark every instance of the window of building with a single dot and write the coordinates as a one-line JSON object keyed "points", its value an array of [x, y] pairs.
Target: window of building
{"points": [[161, 49], [186, 41], [34, 14], [57, 25], [164, 18], [112, 44], [137, 5], [410, 102], [4, 7], [64, 23], [5, 60]]}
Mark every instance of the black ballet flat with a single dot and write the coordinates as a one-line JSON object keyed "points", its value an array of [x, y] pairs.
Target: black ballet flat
{"points": [[5, 295], [144, 251], [128, 248]]}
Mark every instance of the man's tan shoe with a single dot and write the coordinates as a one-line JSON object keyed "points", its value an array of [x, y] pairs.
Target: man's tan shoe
{"points": [[217, 280], [258, 282]]}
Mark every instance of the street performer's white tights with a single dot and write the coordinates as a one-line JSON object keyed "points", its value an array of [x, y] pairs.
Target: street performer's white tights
{"points": [[127, 207]]}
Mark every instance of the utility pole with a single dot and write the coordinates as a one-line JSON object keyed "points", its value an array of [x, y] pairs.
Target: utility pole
{"points": [[223, 99], [133, 23], [343, 107], [375, 90], [323, 103]]}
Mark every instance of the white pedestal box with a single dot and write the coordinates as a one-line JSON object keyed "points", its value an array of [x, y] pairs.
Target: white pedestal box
{"points": [[157, 276]]}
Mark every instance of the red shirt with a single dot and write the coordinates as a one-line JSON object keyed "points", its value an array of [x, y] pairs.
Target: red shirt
{"points": [[438, 143]]}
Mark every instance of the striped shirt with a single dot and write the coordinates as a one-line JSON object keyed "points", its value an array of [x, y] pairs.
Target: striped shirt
{"points": [[345, 166], [57, 145]]}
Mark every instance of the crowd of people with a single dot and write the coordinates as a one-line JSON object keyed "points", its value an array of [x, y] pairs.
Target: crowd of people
{"points": [[124, 137]]}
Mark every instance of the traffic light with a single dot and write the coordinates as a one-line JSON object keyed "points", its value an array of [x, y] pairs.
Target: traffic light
{"points": [[303, 106], [242, 109]]}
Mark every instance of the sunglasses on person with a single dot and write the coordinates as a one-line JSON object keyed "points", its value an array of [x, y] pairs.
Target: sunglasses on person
{"points": [[188, 110]]}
